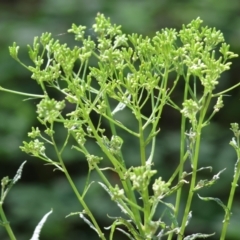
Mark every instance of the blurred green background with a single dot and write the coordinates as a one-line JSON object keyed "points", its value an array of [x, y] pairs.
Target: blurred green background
{"points": [[41, 189]]}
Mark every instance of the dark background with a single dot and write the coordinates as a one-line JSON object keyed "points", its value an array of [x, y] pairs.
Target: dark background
{"points": [[41, 189]]}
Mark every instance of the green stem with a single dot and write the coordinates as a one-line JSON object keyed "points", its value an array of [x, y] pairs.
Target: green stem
{"points": [[178, 169], [191, 192], [6, 223], [230, 199], [121, 202], [182, 155], [79, 197], [111, 120], [145, 194], [114, 132], [120, 169], [194, 166], [85, 206], [227, 90], [22, 93]]}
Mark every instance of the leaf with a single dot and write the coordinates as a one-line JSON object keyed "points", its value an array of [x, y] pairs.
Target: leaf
{"points": [[88, 223], [189, 218], [19, 173], [121, 204], [124, 232], [120, 106], [217, 200], [39, 227], [208, 183], [7, 183], [127, 224], [198, 235]]}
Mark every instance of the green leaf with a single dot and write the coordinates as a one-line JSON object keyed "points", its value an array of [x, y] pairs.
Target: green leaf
{"points": [[198, 235], [217, 200]]}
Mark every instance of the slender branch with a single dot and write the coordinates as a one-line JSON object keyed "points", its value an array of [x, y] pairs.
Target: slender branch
{"points": [[6, 224], [22, 93]]}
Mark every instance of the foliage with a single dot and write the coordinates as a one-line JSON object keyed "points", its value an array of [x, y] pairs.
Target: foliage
{"points": [[125, 72]]}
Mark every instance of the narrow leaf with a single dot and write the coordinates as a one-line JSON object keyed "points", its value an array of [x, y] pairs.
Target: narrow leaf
{"points": [[217, 200], [39, 227], [121, 204], [19, 173], [127, 234], [198, 235], [189, 218], [120, 106], [88, 223]]}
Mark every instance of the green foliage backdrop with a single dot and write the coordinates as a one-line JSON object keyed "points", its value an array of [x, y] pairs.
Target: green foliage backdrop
{"points": [[40, 189]]}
